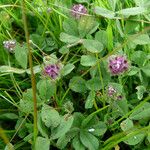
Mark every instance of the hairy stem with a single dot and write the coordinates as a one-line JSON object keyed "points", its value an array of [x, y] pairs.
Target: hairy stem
{"points": [[31, 68]]}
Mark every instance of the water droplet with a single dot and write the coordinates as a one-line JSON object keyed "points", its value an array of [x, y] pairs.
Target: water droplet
{"points": [[91, 130]]}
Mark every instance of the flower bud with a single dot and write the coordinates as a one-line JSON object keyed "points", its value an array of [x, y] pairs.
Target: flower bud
{"points": [[78, 10]]}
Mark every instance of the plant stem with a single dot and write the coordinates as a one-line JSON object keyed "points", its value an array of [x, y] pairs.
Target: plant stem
{"points": [[33, 82], [3, 136], [101, 79], [99, 110]]}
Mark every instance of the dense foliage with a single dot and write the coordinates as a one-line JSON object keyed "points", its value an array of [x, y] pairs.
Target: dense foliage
{"points": [[91, 63]]}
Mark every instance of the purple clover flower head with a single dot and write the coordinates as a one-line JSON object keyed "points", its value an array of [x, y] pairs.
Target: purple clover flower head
{"points": [[52, 70], [78, 10], [9, 45], [111, 91], [118, 65]]}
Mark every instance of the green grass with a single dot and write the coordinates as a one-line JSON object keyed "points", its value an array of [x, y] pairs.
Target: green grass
{"points": [[46, 39]]}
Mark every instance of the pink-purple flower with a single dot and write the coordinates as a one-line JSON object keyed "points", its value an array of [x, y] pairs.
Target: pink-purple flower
{"points": [[111, 91], [52, 70], [118, 65], [78, 10], [9, 45]]}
